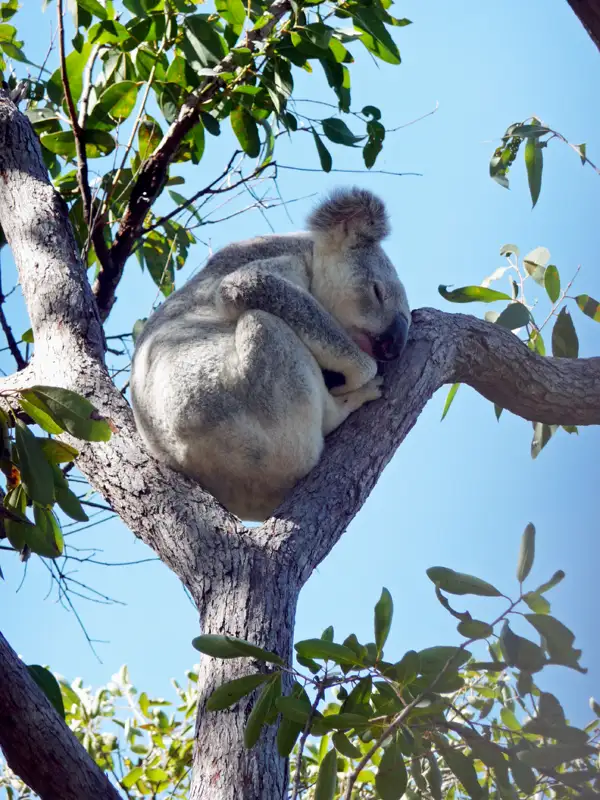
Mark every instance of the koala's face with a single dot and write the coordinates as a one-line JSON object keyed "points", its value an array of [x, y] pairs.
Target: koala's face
{"points": [[368, 299]]}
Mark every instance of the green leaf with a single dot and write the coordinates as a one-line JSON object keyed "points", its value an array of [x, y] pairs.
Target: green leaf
{"points": [[433, 659], [296, 709], [229, 693], [527, 553], [45, 538], [589, 306], [61, 143], [535, 264], [519, 652], [36, 473], [509, 720], [149, 137], [542, 433], [326, 651], [554, 581], [537, 603], [233, 12], [463, 768], [450, 397], [132, 777], [246, 131], [324, 154], [534, 161], [472, 294], [384, 611], [344, 746], [156, 775], [94, 7], [75, 64], [288, 730], [201, 44], [376, 37], [74, 413], [219, 646], [523, 776], [552, 755], [337, 131], [49, 685], [474, 629], [119, 99], [57, 452], [557, 639], [327, 778], [552, 283], [595, 707], [357, 702], [69, 503], [515, 315], [27, 337], [39, 413], [405, 670], [391, 779], [261, 709], [565, 343], [460, 583]]}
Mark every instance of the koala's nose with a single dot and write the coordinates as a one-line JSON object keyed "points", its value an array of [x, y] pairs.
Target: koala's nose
{"points": [[390, 344]]}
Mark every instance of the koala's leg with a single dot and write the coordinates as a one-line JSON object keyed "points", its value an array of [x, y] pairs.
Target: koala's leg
{"points": [[339, 407], [264, 286]]}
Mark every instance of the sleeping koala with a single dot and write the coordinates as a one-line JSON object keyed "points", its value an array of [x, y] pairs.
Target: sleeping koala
{"points": [[228, 378]]}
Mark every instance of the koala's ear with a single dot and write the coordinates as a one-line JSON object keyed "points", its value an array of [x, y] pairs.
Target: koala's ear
{"points": [[350, 217]]}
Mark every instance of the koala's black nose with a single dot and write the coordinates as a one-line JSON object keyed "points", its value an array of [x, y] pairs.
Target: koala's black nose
{"points": [[390, 344]]}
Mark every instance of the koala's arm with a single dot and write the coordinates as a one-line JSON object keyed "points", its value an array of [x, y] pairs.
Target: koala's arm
{"points": [[263, 285]]}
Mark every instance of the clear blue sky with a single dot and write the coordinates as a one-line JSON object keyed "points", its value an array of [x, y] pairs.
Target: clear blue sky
{"points": [[458, 493]]}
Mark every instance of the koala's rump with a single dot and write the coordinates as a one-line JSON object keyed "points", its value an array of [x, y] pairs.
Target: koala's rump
{"points": [[238, 406]]}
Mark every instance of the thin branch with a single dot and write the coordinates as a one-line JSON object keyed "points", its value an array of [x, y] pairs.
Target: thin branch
{"points": [[7, 330], [304, 737], [352, 171]]}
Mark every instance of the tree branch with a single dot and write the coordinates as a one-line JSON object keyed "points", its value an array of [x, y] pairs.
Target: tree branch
{"points": [[7, 330], [153, 173], [588, 12], [38, 745]]}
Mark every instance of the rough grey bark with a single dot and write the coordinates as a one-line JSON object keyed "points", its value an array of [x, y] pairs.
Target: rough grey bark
{"points": [[244, 581], [38, 745]]}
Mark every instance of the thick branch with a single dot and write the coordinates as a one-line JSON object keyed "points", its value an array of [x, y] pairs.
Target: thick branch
{"points": [[38, 745], [153, 173], [588, 12]]}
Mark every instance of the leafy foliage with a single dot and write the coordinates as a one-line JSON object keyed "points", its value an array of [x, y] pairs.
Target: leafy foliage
{"points": [[436, 723], [531, 273]]}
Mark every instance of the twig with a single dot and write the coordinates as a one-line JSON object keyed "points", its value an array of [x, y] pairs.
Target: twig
{"points": [[352, 171], [304, 737], [7, 330]]}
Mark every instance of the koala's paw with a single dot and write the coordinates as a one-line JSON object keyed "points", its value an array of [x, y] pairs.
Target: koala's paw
{"points": [[358, 377], [370, 391]]}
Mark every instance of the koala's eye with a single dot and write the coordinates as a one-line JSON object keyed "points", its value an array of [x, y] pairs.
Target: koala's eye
{"points": [[378, 291]]}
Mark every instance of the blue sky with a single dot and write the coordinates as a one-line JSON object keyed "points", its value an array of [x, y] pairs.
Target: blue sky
{"points": [[457, 493]]}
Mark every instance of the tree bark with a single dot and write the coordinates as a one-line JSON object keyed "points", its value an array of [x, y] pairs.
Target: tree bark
{"points": [[588, 12], [253, 598], [243, 580], [37, 744]]}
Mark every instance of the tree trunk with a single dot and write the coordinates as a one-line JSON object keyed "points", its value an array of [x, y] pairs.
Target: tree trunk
{"points": [[588, 12], [251, 598]]}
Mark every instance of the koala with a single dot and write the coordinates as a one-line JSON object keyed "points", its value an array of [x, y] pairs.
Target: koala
{"points": [[229, 381]]}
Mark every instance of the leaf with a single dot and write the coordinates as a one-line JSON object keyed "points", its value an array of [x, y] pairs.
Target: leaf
{"points": [[61, 143], [288, 730], [259, 713], [557, 639], [74, 413], [460, 583], [229, 693], [391, 779], [149, 137], [534, 161], [75, 64], [535, 264], [523, 776], [509, 720], [357, 702], [552, 283], [527, 553], [554, 581], [519, 652], [119, 99], [582, 152], [463, 768], [552, 755], [156, 775], [433, 659], [94, 7], [27, 337], [515, 315], [542, 433], [472, 294], [69, 503], [327, 778], [509, 250], [344, 746], [296, 709], [233, 12], [326, 651], [595, 707], [537, 603], [39, 413], [450, 397], [376, 38], [132, 777], [405, 670], [229, 647], [565, 343], [589, 306], [246, 131], [384, 611], [474, 629], [36, 473], [201, 44], [337, 131], [45, 538], [57, 452], [49, 685], [324, 154]]}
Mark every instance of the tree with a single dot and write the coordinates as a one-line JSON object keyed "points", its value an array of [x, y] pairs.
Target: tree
{"points": [[244, 582]]}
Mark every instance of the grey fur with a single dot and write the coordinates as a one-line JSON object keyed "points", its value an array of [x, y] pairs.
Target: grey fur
{"points": [[227, 378]]}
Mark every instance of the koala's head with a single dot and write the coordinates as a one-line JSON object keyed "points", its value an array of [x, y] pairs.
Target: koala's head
{"points": [[352, 276]]}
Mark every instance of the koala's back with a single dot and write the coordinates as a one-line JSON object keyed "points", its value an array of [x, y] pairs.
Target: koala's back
{"points": [[234, 404]]}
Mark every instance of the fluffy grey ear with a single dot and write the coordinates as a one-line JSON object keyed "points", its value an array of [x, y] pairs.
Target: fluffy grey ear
{"points": [[355, 215]]}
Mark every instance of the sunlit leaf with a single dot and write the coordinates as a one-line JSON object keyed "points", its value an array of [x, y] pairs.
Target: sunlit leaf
{"points": [[527, 553], [534, 161], [472, 294], [460, 583], [246, 131], [49, 685], [327, 777], [552, 283], [36, 473], [324, 154], [589, 306], [383, 618], [449, 398]]}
